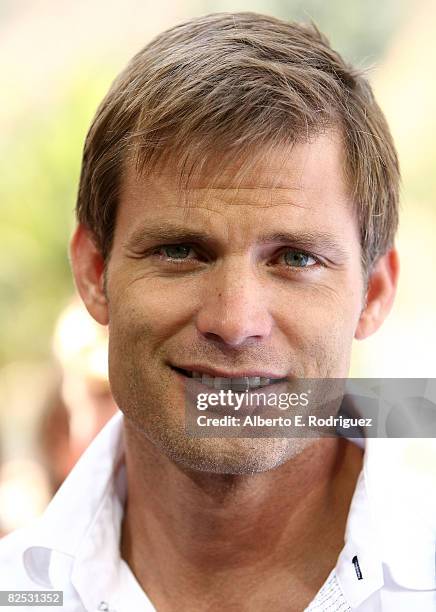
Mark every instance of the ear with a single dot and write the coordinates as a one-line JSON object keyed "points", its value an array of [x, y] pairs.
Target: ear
{"points": [[382, 286], [88, 269]]}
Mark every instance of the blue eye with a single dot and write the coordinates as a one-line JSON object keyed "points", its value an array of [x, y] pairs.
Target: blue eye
{"points": [[298, 259], [176, 251]]}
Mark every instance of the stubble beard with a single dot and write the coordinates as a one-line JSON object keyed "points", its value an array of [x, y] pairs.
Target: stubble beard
{"points": [[158, 419], [157, 413]]}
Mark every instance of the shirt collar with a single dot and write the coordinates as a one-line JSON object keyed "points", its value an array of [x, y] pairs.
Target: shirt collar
{"points": [[82, 520], [391, 526]]}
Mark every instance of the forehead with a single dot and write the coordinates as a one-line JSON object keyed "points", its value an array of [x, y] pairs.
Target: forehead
{"points": [[303, 183], [272, 167]]}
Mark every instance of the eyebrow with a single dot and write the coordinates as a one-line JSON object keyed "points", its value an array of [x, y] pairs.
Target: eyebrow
{"points": [[165, 233], [305, 240], [309, 240]]}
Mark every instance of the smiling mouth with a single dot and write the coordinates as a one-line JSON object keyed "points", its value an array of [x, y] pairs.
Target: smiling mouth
{"points": [[244, 383]]}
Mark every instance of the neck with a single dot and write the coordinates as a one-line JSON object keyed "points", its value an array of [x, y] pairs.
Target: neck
{"points": [[219, 537]]}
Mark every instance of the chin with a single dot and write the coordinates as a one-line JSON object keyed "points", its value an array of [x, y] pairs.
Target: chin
{"points": [[233, 456]]}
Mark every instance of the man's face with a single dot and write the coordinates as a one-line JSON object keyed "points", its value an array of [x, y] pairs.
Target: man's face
{"points": [[231, 276]]}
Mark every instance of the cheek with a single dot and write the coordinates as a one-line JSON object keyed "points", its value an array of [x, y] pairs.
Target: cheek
{"points": [[139, 322], [151, 309], [143, 318], [317, 308], [319, 324]]}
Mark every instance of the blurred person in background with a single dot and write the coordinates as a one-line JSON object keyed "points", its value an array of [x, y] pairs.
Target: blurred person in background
{"points": [[84, 402], [237, 211]]}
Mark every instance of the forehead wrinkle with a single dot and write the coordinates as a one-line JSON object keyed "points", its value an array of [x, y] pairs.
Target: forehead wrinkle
{"points": [[249, 204], [246, 188], [260, 177], [189, 198], [204, 197]]}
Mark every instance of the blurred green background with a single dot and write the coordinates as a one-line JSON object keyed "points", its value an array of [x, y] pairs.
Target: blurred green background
{"points": [[58, 58]]}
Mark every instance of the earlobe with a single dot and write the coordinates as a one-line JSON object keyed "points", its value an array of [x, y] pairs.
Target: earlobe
{"points": [[88, 269], [382, 286]]}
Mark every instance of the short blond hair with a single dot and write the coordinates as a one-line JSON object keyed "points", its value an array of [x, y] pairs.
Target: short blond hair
{"points": [[238, 82]]}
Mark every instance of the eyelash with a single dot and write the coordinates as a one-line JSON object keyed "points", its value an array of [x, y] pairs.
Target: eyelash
{"points": [[182, 262]]}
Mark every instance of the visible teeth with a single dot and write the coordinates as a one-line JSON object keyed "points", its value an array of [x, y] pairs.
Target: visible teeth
{"points": [[237, 384], [207, 380], [218, 382]]}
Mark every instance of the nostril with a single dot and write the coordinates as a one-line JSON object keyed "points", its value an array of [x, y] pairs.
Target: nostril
{"points": [[212, 336]]}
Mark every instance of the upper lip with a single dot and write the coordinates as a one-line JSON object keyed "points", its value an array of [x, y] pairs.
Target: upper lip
{"points": [[234, 374]]}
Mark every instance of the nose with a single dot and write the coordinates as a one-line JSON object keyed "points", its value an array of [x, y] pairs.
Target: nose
{"points": [[234, 310]]}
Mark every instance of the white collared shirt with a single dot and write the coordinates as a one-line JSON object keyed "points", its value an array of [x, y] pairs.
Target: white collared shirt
{"points": [[387, 563]]}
